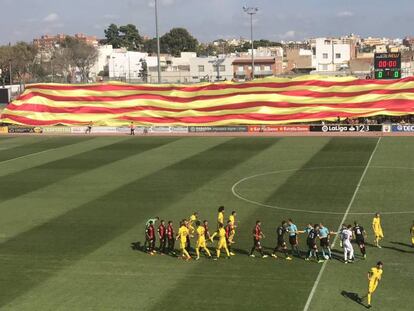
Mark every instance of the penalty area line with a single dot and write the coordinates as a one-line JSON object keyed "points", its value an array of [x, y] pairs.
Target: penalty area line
{"points": [[318, 279]]}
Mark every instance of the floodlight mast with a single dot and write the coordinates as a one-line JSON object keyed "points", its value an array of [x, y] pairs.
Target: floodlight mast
{"points": [[158, 42], [251, 11]]}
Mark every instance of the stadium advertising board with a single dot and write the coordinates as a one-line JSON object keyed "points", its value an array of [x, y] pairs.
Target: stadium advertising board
{"points": [[218, 129], [278, 128], [94, 130], [336, 128], [386, 128], [78, 130], [4, 129], [56, 130], [168, 129], [403, 128], [23, 129], [179, 129]]}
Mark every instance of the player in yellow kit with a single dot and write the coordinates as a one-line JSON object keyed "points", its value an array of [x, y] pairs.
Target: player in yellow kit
{"points": [[191, 230], [412, 235], [183, 233], [374, 276], [221, 233], [376, 227], [201, 240], [193, 218], [232, 220], [220, 216]]}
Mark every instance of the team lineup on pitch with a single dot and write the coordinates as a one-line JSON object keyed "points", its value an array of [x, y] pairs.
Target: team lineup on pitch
{"points": [[191, 227], [102, 190]]}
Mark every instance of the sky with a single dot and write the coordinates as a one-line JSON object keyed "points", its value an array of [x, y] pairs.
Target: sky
{"points": [[207, 20]]}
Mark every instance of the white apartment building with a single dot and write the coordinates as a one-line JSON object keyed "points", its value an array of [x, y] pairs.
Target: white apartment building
{"points": [[119, 64], [188, 68], [211, 69], [330, 55], [123, 65]]}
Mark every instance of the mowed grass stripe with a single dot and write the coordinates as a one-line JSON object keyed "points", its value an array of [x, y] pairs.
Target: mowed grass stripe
{"points": [[341, 163], [305, 189], [81, 146], [84, 229], [22, 182], [13, 142], [250, 283], [56, 199], [37, 145], [174, 180], [94, 224], [384, 190], [240, 152]]}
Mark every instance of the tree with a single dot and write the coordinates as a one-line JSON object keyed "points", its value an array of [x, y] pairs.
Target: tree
{"points": [[178, 40], [23, 60], [77, 54], [207, 50], [123, 37], [112, 36], [257, 43], [84, 56], [143, 72], [62, 58], [130, 37], [5, 57], [150, 46]]}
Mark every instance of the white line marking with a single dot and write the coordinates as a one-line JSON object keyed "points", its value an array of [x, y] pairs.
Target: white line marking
{"points": [[241, 197], [315, 285], [26, 155]]}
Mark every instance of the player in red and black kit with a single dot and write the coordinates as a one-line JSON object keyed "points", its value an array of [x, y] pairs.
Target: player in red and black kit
{"points": [[162, 235], [229, 229], [150, 235], [257, 236], [170, 238]]}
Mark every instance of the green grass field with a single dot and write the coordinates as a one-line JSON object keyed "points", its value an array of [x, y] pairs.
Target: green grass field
{"points": [[70, 207]]}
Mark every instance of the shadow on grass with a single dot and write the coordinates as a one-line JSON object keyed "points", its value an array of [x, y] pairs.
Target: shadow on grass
{"points": [[353, 296], [240, 251], [403, 244], [397, 249]]}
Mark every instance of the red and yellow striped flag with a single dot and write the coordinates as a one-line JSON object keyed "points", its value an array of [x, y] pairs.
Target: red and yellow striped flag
{"points": [[264, 101]]}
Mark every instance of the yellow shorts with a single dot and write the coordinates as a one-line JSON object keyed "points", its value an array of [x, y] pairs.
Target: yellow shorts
{"points": [[412, 240], [201, 244], [183, 244], [379, 234], [222, 244], [372, 287]]}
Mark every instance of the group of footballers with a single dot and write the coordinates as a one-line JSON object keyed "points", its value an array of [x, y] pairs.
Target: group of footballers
{"points": [[189, 228], [315, 233], [225, 234]]}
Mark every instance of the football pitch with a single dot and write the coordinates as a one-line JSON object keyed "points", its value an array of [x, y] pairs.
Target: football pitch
{"points": [[72, 206]]}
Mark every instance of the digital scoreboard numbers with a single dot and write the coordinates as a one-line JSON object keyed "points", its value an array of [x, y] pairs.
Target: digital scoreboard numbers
{"points": [[387, 66]]}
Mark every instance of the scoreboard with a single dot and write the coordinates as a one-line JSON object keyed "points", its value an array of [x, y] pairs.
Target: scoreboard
{"points": [[387, 66]]}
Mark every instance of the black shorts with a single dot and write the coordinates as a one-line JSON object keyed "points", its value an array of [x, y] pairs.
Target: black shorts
{"points": [[324, 242], [293, 240], [281, 243], [360, 241], [257, 243], [311, 244]]}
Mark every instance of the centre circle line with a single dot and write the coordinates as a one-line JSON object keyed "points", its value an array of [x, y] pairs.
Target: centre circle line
{"points": [[241, 197]]}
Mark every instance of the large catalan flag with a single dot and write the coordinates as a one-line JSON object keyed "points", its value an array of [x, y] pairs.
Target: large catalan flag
{"points": [[265, 101]]}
